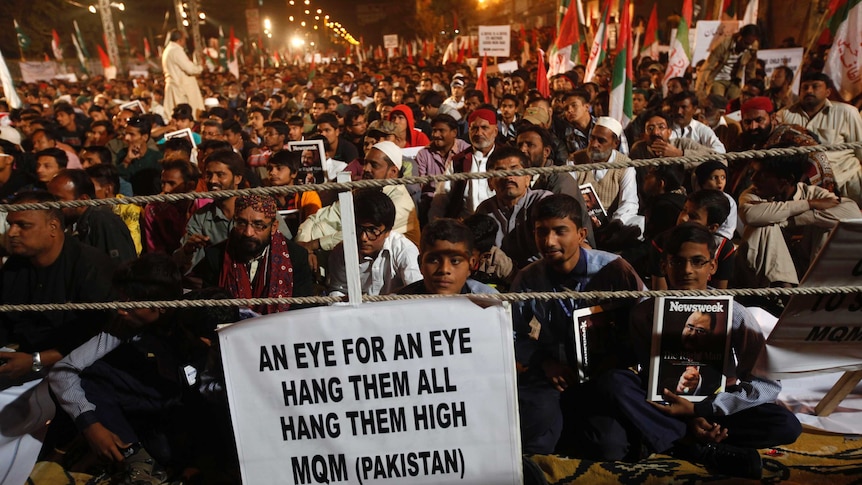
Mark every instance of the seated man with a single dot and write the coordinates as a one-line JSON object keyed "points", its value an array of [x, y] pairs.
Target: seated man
{"points": [[97, 226], [388, 261], [43, 257], [106, 180], [777, 207], [511, 204], [322, 230], [708, 208], [257, 261], [616, 188], [123, 387], [543, 350], [445, 261], [722, 431]]}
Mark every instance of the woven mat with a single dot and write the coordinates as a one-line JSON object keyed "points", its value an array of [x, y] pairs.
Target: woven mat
{"points": [[816, 458]]}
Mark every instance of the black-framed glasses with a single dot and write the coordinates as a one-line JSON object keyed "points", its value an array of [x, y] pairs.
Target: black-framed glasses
{"points": [[697, 330], [371, 232], [696, 263]]}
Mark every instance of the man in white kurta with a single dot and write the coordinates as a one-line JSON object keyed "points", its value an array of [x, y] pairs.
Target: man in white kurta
{"points": [[180, 83]]}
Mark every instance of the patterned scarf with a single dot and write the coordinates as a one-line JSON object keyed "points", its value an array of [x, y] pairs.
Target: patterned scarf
{"points": [[274, 277]]}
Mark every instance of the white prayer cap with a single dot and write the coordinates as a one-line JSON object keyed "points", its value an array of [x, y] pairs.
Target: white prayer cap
{"points": [[210, 103], [610, 124], [391, 150]]}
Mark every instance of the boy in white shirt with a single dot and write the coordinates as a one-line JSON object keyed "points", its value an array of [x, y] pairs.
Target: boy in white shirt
{"points": [[388, 261]]}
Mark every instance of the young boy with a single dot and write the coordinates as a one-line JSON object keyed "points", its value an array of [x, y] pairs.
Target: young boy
{"points": [[282, 167], [709, 208], [446, 260], [387, 260], [493, 266], [713, 176]]}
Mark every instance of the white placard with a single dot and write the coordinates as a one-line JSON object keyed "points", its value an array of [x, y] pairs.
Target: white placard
{"points": [[822, 333], [708, 34], [419, 392], [495, 40], [390, 41], [791, 58], [508, 67], [33, 72]]}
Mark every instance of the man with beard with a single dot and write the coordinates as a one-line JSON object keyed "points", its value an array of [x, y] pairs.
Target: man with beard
{"points": [[465, 196], [781, 88], [761, 131], [511, 204], [684, 105], [616, 188], [832, 123], [437, 159], [322, 230], [257, 261], [211, 223]]}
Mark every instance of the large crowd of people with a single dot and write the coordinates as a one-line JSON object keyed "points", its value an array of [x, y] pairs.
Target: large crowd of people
{"points": [[143, 387]]}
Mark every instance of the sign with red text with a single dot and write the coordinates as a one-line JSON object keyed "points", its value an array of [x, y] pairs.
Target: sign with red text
{"points": [[822, 333], [418, 392]]}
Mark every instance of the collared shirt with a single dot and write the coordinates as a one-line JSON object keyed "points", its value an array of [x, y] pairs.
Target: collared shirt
{"points": [[432, 162], [700, 133], [514, 230], [209, 221], [478, 190], [835, 123], [396, 266], [577, 139]]}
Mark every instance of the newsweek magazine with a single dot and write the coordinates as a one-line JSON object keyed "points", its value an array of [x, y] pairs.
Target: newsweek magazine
{"points": [[595, 209], [690, 345], [596, 333], [311, 167]]}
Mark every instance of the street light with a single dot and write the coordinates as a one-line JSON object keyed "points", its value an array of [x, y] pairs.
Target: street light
{"points": [[267, 24]]}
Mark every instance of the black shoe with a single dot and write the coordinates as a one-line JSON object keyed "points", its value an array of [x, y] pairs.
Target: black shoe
{"points": [[731, 460], [721, 458]]}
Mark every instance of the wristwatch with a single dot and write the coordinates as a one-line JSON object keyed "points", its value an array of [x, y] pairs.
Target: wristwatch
{"points": [[37, 362]]}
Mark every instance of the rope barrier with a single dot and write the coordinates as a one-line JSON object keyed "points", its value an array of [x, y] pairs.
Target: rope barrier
{"points": [[509, 297], [360, 184]]}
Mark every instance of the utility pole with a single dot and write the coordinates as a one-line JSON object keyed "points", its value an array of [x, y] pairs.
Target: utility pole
{"points": [[194, 22], [110, 34], [178, 10]]}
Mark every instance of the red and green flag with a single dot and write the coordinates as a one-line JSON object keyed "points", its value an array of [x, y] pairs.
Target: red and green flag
{"points": [[650, 47], [600, 42], [621, 87], [680, 50]]}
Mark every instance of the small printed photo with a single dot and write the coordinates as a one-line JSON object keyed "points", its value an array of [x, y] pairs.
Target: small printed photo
{"points": [[311, 165]]}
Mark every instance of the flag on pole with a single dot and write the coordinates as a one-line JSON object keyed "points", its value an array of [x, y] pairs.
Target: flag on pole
{"points": [[147, 51], [80, 54], [103, 57], [222, 49], [750, 16], [621, 88], [597, 52], [680, 50], [650, 46], [55, 45], [844, 61], [8, 86], [23, 39], [482, 82], [542, 76], [729, 9], [563, 57], [81, 45], [123, 36]]}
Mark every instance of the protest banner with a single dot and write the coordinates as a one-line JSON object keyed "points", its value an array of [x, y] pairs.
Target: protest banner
{"points": [[708, 34], [495, 40], [822, 333], [26, 409], [791, 58], [33, 72], [419, 392], [390, 41]]}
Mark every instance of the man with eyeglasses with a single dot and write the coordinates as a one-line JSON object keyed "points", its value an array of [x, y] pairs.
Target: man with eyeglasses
{"points": [[721, 432], [257, 261], [388, 261], [657, 142]]}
